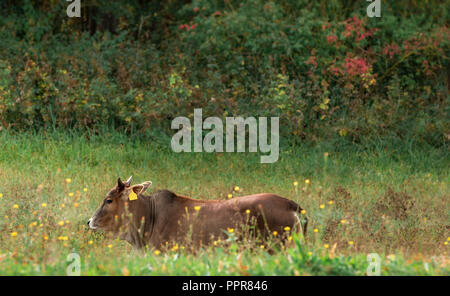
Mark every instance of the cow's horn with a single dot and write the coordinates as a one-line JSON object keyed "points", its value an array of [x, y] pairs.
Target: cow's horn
{"points": [[128, 182]]}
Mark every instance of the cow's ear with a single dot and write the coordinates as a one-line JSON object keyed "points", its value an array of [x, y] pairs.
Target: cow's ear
{"points": [[141, 188], [120, 185], [146, 184]]}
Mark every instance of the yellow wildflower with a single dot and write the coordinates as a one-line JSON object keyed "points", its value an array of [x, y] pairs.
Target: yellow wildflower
{"points": [[85, 189], [157, 252], [230, 230], [295, 183], [326, 246], [197, 208], [391, 257], [316, 230], [68, 180], [307, 181], [16, 206], [247, 212], [322, 206], [351, 243], [229, 195], [43, 205], [236, 188], [71, 194], [14, 234], [287, 228], [125, 271], [275, 233]]}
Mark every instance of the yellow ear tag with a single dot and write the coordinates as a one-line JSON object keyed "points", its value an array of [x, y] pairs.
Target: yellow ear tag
{"points": [[132, 195]]}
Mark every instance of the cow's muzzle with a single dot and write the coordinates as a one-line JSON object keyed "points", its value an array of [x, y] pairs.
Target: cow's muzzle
{"points": [[90, 224]]}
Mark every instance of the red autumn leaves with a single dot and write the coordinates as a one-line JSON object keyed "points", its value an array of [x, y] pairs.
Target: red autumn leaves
{"points": [[187, 27]]}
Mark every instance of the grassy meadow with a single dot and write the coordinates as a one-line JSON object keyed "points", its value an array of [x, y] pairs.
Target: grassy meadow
{"points": [[391, 199]]}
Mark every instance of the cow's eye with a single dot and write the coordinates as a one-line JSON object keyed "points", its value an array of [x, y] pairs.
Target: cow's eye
{"points": [[109, 201]]}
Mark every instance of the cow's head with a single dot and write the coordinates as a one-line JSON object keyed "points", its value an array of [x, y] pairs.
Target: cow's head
{"points": [[111, 213]]}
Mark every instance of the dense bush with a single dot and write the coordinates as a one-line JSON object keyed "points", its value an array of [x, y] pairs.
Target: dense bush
{"points": [[325, 68]]}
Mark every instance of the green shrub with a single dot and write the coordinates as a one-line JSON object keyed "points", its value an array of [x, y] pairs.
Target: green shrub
{"points": [[326, 69]]}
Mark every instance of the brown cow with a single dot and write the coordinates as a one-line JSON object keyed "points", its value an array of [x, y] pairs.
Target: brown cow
{"points": [[167, 217]]}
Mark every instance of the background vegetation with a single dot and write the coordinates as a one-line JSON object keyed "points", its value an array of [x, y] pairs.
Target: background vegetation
{"points": [[364, 123], [324, 67]]}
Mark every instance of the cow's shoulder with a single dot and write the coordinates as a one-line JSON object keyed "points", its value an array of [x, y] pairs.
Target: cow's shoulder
{"points": [[165, 194]]}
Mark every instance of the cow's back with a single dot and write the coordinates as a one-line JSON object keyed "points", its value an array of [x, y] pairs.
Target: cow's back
{"points": [[273, 212], [207, 220]]}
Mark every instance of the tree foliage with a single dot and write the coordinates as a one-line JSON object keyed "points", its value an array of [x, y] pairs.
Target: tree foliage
{"points": [[325, 68]]}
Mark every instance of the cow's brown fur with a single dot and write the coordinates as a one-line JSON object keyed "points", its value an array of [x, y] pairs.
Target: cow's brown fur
{"points": [[167, 217]]}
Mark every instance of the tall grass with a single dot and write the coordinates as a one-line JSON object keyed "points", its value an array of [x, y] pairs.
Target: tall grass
{"points": [[384, 198]]}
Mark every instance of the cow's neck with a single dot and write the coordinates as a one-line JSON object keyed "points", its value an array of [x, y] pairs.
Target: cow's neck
{"points": [[140, 235], [152, 217]]}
